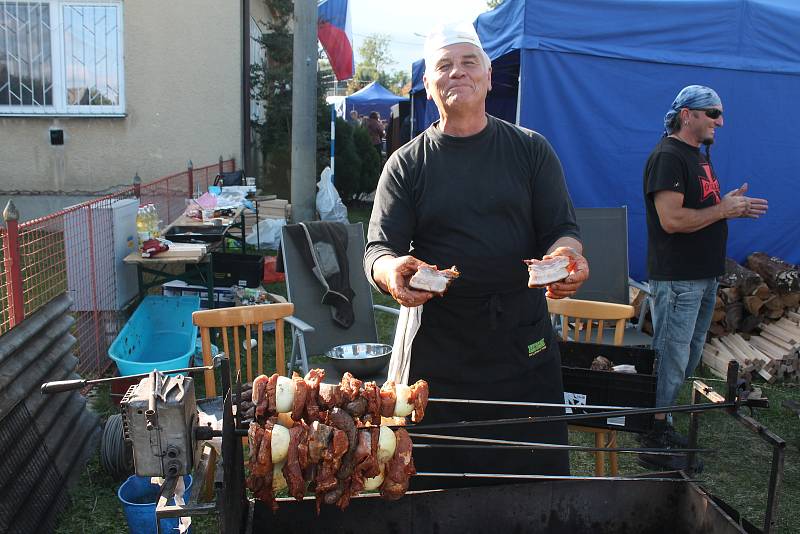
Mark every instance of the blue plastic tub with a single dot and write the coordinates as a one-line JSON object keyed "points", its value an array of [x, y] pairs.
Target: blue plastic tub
{"points": [[138, 497], [159, 335]]}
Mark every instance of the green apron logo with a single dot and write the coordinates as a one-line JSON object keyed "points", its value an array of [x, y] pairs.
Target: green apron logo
{"points": [[536, 348]]}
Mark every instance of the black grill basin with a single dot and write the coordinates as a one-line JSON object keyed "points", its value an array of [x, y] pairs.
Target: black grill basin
{"points": [[193, 234], [570, 506]]}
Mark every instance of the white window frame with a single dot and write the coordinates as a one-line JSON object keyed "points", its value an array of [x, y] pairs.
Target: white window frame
{"points": [[60, 107]]}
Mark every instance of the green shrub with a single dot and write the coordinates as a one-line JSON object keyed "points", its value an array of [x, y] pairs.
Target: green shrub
{"points": [[347, 173], [370, 161]]}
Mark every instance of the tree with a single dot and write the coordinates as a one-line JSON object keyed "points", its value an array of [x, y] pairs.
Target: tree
{"points": [[272, 84], [347, 175], [370, 161], [375, 58], [493, 3]]}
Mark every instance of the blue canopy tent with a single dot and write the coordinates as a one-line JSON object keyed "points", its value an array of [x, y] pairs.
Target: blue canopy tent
{"points": [[373, 97], [596, 78]]}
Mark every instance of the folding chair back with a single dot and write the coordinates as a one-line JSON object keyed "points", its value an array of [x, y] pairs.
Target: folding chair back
{"points": [[313, 329], [604, 234]]}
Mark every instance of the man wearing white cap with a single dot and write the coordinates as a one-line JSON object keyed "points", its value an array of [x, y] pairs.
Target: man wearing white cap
{"points": [[481, 194]]}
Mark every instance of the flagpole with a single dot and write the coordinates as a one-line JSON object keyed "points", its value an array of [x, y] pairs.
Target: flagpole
{"points": [[333, 143]]}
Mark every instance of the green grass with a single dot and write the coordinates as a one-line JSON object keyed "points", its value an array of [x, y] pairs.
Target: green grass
{"points": [[738, 472]]}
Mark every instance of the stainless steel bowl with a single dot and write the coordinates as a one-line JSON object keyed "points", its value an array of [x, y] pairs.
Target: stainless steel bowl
{"points": [[361, 359]]}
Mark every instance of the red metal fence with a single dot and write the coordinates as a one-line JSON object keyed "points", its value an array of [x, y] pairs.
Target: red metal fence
{"points": [[74, 251]]}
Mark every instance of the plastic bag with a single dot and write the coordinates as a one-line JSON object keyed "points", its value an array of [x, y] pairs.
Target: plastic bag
{"points": [[329, 203], [266, 234]]}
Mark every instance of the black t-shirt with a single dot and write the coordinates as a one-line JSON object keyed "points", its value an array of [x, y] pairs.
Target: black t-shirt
{"points": [[485, 201], [675, 166]]}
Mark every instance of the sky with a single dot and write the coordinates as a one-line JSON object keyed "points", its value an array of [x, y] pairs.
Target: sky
{"points": [[407, 22]]}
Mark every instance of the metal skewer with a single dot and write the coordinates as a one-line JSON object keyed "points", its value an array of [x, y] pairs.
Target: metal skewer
{"points": [[573, 417], [552, 477], [507, 444], [531, 404]]}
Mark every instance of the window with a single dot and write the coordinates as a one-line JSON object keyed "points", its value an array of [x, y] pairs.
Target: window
{"points": [[61, 58]]}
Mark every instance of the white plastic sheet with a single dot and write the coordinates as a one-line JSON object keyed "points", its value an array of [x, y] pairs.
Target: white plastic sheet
{"points": [[329, 203]]}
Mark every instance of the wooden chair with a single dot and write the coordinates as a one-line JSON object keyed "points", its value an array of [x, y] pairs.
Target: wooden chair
{"points": [[587, 320], [246, 317]]}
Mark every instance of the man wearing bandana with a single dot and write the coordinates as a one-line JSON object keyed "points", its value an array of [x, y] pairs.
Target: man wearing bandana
{"points": [[687, 234], [481, 194]]}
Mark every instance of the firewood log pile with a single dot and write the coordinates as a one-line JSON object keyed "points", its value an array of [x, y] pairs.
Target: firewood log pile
{"points": [[756, 320]]}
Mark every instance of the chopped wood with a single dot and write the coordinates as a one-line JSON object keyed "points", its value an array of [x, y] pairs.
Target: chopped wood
{"points": [[762, 292], [774, 303], [745, 280], [729, 294], [752, 304], [779, 275], [778, 333], [790, 300]]}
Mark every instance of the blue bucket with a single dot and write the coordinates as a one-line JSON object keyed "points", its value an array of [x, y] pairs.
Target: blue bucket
{"points": [[138, 496]]}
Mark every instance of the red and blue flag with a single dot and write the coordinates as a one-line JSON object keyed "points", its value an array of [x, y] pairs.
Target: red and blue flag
{"points": [[335, 32]]}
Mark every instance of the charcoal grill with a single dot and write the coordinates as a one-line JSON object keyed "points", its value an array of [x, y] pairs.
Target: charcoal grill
{"points": [[597, 506], [666, 502]]}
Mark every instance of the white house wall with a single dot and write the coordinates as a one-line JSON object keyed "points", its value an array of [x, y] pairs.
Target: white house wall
{"points": [[182, 84]]}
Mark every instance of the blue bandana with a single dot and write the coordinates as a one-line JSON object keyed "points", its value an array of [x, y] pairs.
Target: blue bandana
{"points": [[692, 97]]}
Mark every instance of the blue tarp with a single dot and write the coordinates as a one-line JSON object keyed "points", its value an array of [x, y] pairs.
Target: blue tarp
{"points": [[597, 77], [373, 97]]}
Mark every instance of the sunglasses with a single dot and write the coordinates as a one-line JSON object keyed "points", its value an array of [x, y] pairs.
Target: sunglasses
{"points": [[711, 113]]}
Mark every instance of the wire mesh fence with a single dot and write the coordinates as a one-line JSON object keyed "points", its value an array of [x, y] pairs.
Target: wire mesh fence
{"points": [[79, 250]]}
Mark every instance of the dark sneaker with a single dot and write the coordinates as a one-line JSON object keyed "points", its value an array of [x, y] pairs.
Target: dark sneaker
{"points": [[674, 439], [655, 439], [663, 435]]}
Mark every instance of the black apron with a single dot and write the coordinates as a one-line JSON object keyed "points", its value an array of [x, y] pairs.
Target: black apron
{"points": [[489, 340]]}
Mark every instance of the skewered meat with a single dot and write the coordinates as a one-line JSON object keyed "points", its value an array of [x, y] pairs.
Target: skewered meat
{"points": [[272, 385], [433, 280], [350, 387], [261, 472], [372, 393], [309, 399], [419, 397], [341, 460], [318, 440], [388, 398], [313, 379], [300, 397], [356, 408], [399, 469], [330, 396], [292, 471], [259, 395]]}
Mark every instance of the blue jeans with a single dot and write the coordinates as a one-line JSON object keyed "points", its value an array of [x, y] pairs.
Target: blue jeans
{"points": [[682, 311]]}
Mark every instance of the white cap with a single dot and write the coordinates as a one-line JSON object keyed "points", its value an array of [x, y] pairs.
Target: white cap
{"points": [[450, 34]]}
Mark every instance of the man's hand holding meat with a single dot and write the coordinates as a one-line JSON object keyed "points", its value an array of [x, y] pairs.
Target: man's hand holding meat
{"points": [[578, 268], [393, 274]]}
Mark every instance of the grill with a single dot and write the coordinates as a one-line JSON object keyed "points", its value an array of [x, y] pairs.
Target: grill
{"points": [[666, 502], [597, 506]]}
